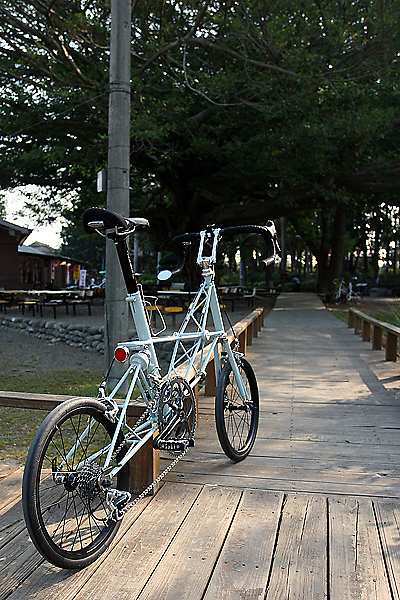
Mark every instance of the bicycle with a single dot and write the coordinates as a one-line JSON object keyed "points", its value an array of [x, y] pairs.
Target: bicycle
{"points": [[340, 293], [76, 479], [345, 294]]}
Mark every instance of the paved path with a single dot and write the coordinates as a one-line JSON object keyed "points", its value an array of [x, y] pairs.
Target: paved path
{"points": [[311, 514], [330, 410]]}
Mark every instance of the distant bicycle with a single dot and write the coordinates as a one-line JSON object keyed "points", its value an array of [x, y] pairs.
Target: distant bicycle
{"points": [[345, 294]]}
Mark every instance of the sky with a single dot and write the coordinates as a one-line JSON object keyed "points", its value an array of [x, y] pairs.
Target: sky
{"points": [[47, 234]]}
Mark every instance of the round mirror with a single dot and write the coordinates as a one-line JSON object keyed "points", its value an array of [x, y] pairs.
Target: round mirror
{"points": [[164, 275]]}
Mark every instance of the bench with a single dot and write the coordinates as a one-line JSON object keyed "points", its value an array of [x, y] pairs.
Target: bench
{"points": [[173, 311], [229, 295], [51, 304], [364, 324], [79, 302], [249, 296], [28, 303], [3, 306]]}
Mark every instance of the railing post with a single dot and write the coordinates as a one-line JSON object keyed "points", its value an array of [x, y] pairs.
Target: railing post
{"points": [[391, 346], [254, 327], [376, 337], [357, 324], [366, 331], [243, 341], [210, 384], [351, 319], [249, 334], [146, 466]]}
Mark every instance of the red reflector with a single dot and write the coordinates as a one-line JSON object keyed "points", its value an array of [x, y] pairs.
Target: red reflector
{"points": [[121, 354]]}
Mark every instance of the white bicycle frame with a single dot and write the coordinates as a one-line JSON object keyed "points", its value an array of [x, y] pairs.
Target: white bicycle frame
{"points": [[191, 364]]}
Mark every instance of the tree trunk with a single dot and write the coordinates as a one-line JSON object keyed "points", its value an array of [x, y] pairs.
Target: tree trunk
{"points": [[330, 262]]}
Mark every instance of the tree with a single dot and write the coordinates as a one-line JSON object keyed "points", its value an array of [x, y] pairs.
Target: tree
{"points": [[238, 113]]}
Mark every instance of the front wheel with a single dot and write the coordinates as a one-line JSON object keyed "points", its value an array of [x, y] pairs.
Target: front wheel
{"points": [[64, 506], [236, 417]]}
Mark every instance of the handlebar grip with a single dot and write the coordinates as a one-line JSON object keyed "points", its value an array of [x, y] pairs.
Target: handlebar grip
{"points": [[185, 237], [268, 233], [182, 242]]}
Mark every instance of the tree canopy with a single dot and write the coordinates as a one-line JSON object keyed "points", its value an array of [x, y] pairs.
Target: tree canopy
{"points": [[240, 111]]}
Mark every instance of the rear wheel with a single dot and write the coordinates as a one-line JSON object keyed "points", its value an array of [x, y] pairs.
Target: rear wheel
{"points": [[64, 506], [236, 417]]}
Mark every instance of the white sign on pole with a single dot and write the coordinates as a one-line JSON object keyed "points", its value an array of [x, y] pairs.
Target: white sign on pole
{"points": [[82, 278]]}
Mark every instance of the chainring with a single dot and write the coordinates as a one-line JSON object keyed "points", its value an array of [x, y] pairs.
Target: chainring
{"points": [[176, 410]]}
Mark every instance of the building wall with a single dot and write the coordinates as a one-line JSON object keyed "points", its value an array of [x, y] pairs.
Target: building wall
{"points": [[9, 260]]}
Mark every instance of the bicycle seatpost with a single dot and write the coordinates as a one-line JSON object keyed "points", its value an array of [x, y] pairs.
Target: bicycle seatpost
{"points": [[116, 228], [126, 265]]}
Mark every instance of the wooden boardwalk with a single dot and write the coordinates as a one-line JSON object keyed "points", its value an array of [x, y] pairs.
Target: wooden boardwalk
{"points": [[312, 513]]}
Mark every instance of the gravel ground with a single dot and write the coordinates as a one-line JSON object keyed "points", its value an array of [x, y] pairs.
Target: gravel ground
{"points": [[23, 353], [28, 364]]}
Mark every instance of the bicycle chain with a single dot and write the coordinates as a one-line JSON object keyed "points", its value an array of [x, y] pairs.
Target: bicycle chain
{"points": [[161, 476], [152, 485]]}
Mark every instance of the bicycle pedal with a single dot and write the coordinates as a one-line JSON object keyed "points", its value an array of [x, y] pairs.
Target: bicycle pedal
{"points": [[174, 445]]}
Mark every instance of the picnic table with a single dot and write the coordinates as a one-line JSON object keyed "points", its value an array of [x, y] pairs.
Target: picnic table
{"points": [[36, 300]]}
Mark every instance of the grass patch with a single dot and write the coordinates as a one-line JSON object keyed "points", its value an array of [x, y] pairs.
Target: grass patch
{"points": [[19, 425], [341, 314]]}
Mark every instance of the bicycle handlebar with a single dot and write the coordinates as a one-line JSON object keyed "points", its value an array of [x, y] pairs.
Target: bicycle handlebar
{"points": [[117, 228], [267, 232]]}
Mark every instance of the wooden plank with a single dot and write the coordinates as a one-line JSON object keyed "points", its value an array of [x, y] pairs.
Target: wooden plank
{"points": [[131, 563], [186, 567], [376, 467], [386, 485], [388, 519], [49, 401], [292, 452], [10, 487], [300, 555], [245, 561], [7, 467], [11, 522], [33, 577], [20, 558], [357, 570], [282, 484]]}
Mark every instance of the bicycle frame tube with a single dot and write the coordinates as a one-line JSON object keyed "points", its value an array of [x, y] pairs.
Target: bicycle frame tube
{"points": [[205, 300], [136, 304], [217, 318]]}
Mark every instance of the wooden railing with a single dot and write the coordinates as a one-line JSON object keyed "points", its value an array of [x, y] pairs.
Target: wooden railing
{"points": [[146, 466], [245, 330], [144, 469], [373, 330]]}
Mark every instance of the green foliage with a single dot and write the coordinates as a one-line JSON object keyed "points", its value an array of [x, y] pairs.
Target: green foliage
{"points": [[240, 112]]}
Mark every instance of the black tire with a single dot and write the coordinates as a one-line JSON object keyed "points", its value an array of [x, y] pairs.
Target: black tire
{"points": [[236, 422], [67, 520]]}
